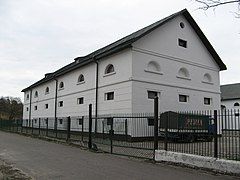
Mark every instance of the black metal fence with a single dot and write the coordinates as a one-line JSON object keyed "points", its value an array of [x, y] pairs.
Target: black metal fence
{"points": [[205, 133]]}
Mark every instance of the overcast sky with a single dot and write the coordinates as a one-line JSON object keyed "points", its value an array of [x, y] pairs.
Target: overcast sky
{"points": [[40, 36]]}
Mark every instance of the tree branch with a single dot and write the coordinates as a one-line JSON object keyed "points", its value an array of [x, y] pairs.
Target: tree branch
{"points": [[207, 4]]}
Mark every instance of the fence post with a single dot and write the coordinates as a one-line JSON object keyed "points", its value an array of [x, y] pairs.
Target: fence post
{"points": [[68, 127], [39, 126], [90, 127], [126, 129], [155, 123], [103, 129], [32, 126], [56, 126], [111, 132], [166, 132], [215, 135], [82, 127], [47, 127]]}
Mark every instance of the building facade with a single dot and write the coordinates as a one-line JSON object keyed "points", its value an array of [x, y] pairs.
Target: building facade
{"points": [[230, 96], [171, 59]]}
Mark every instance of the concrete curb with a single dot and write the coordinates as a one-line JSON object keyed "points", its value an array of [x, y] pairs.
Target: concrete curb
{"points": [[219, 165]]}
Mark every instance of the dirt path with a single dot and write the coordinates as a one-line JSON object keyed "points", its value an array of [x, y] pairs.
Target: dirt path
{"points": [[46, 160]]}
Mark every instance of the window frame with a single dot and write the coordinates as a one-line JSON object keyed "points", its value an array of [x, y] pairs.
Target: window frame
{"points": [[236, 104], [60, 103], [108, 95], [151, 91], [80, 102], [81, 79], [61, 85], [107, 72], [47, 90], [36, 94], [185, 97], [209, 100], [182, 43]]}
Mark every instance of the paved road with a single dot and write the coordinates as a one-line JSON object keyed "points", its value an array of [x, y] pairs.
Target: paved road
{"points": [[46, 160]]}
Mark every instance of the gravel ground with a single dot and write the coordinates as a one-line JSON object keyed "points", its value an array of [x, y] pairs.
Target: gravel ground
{"points": [[8, 172]]}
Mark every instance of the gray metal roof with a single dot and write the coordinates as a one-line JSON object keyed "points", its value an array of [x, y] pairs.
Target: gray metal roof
{"points": [[230, 91], [126, 42]]}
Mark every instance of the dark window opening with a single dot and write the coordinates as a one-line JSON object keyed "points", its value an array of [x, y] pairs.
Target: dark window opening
{"points": [[207, 101], [152, 94], [109, 96], [81, 78], [236, 104], [35, 108], [182, 43], [109, 69], [80, 100], [60, 103], [46, 106], [183, 98]]}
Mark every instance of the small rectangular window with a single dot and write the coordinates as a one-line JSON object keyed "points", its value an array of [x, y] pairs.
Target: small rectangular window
{"points": [[207, 101], [183, 98], [80, 100], [35, 108], [60, 103], [152, 94], [150, 121], [27, 108], [182, 43], [109, 96], [46, 106], [35, 121]]}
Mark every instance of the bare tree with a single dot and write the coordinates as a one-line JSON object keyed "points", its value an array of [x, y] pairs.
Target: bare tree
{"points": [[11, 108], [209, 4], [213, 4]]}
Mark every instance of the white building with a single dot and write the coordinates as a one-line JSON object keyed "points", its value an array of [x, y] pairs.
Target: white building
{"points": [[171, 58], [230, 96]]}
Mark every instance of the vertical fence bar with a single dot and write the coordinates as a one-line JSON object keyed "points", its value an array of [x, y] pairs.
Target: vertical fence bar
{"points": [[155, 123], [90, 127], [32, 126], [102, 129], [166, 132], [126, 129], [56, 126], [111, 132], [82, 127], [215, 135], [47, 127], [39, 126], [68, 127]]}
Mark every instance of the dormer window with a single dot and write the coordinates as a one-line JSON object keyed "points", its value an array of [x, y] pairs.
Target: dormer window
{"points": [[81, 79], [61, 85], [36, 94], [47, 90], [109, 69]]}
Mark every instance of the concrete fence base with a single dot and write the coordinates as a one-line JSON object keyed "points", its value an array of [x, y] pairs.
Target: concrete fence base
{"points": [[219, 165]]}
